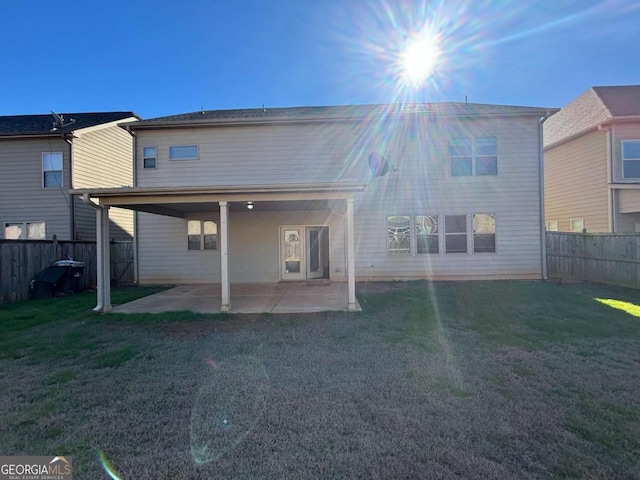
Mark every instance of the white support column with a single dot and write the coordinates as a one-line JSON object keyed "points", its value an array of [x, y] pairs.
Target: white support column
{"points": [[225, 303], [106, 266], [351, 259], [103, 272], [100, 261]]}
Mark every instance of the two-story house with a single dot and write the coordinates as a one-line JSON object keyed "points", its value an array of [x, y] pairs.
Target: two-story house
{"points": [[592, 162], [43, 156], [344, 193]]}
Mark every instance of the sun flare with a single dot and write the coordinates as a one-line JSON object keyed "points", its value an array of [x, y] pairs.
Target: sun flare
{"points": [[419, 59]]}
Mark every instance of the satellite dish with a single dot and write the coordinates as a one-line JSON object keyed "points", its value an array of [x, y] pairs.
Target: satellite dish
{"points": [[58, 121], [378, 165]]}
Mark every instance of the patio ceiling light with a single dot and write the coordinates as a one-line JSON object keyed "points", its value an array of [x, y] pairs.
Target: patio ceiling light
{"points": [[250, 205]]}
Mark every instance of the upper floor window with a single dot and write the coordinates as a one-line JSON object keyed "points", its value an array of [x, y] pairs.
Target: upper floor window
{"points": [[52, 169], [399, 235], [202, 235], [477, 156], [183, 152], [455, 233], [149, 157], [631, 158], [25, 230], [427, 234], [484, 233]]}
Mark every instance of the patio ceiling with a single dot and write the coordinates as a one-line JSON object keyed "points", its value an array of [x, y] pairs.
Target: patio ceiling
{"points": [[181, 202]]}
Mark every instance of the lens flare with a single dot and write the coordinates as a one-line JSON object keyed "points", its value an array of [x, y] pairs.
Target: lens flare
{"points": [[419, 59], [106, 464], [227, 407]]}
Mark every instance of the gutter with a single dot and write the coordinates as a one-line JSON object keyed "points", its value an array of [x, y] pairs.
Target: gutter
{"points": [[543, 227]]}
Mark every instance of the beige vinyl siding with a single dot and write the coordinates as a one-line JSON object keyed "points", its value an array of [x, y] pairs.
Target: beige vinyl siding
{"points": [[258, 155], [576, 182], [103, 157], [628, 201], [254, 247], [623, 131], [23, 197], [422, 185]]}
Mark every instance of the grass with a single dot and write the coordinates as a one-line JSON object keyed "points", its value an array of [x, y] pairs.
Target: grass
{"points": [[430, 380]]}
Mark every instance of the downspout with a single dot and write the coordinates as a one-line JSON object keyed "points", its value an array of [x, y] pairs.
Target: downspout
{"points": [[610, 190], [100, 267], [135, 212], [72, 200], [543, 227]]}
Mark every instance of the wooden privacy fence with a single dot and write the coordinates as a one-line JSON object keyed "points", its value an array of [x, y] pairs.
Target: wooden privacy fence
{"points": [[612, 258], [22, 260]]}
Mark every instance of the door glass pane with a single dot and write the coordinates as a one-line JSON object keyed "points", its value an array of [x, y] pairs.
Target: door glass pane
{"points": [[314, 251], [293, 254]]}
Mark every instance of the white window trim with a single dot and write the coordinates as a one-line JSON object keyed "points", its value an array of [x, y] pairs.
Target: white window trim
{"points": [[468, 228], [495, 234], [581, 219], [474, 156], [438, 234], [549, 223], [25, 229], [386, 237], [155, 147], [42, 170], [202, 235], [185, 159], [622, 142]]}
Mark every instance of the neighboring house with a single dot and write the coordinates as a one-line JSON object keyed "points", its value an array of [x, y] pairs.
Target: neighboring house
{"points": [[41, 159], [281, 194], [592, 162]]}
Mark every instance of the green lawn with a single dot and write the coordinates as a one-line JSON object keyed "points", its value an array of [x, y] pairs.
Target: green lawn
{"points": [[431, 380]]}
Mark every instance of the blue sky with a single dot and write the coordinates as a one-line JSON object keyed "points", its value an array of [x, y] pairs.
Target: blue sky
{"points": [[165, 57]]}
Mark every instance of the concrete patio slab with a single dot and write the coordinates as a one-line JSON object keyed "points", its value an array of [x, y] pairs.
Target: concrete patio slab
{"points": [[283, 297]]}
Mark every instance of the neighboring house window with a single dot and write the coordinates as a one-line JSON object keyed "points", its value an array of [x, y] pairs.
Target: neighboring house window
{"points": [[576, 224], [427, 234], [183, 152], [631, 158], [25, 230], [149, 157], [52, 170], [455, 233], [552, 225], [398, 235], [202, 235], [484, 233], [478, 156]]}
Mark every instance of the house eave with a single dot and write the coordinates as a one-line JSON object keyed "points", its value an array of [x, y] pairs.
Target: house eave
{"points": [[391, 113]]}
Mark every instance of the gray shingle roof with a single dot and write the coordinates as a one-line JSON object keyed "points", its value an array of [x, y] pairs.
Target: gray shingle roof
{"points": [[335, 112], [594, 107], [43, 124]]}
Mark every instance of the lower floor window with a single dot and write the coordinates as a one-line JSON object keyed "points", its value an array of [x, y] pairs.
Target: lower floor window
{"points": [[202, 235], [484, 233], [455, 231], [427, 234], [25, 231], [399, 235]]}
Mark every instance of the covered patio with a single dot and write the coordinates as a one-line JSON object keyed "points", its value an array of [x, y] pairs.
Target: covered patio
{"points": [[217, 296], [283, 297]]}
